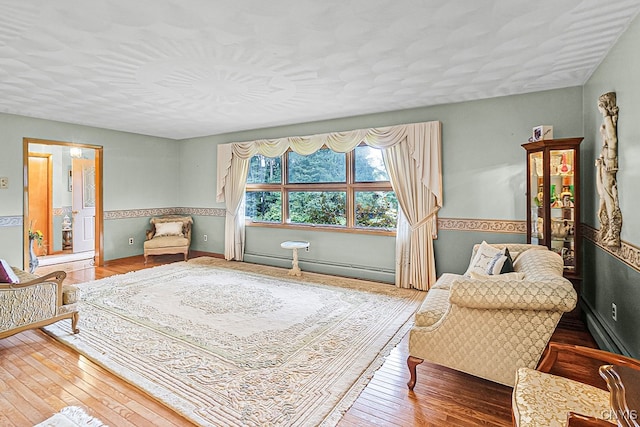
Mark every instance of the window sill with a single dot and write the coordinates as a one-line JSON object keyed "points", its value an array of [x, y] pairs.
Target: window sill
{"points": [[328, 228]]}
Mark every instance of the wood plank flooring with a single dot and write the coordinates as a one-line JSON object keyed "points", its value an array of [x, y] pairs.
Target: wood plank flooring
{"points": [[39, 376]]}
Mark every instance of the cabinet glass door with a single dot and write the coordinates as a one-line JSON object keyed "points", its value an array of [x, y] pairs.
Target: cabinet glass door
{"points": [[537, 194], [562, 198]]}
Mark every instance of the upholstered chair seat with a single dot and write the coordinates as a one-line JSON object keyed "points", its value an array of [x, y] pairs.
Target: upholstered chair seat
{"points": [[170, 234], [166, 242], [545, 400], [552, 396]]}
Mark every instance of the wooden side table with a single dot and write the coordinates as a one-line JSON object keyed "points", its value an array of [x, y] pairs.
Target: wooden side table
{"points": [[623, 383], [294, 245]]}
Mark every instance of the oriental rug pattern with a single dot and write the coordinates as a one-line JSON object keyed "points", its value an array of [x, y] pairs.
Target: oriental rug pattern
{"points": [[242, 348]]}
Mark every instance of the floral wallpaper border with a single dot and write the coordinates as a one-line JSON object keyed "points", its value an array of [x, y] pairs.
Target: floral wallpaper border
{"points": [[65, 210], [627, 253], [454, 224], [16, 221], [483, 225], [10, 221], [140, 213]]}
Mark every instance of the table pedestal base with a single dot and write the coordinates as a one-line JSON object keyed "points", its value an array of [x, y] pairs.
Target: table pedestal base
{"points": [[295, 270]]}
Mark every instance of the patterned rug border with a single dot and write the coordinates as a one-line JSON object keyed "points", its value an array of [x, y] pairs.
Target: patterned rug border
{"points": [[256, 270]]}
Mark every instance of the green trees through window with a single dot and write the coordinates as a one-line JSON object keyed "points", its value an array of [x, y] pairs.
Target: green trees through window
{"points": [[326, 188]]}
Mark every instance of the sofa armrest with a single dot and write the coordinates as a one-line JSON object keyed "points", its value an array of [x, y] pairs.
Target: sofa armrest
{"points": [[554, 295]]}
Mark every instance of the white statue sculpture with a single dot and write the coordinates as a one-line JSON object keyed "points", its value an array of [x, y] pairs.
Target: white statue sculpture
{"points": [[607, 166]]}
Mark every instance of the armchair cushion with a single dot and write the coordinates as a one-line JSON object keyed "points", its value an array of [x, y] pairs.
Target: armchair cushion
{"points": [[169, 229], [165, 242], [544, 400]]}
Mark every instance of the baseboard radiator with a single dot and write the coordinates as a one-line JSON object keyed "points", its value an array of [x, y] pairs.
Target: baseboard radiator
{"points": [[605, 338], [324, 267]]}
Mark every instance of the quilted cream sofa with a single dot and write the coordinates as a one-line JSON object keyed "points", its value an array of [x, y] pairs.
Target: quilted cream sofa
{"points": [[169, 234], [35, 302], [490, 327]]}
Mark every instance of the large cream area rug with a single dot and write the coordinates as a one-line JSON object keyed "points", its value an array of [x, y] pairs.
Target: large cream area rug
{"points": [[226, 347]]}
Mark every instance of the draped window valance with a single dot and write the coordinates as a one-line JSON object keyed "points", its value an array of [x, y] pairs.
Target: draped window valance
{"points": [[342, 142], [411, 154]]}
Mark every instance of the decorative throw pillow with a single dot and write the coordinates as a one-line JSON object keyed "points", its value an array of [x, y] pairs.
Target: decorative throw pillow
{"points": [[514, 275], [501, 263], [7, 275], [169, 229], [484, 256]]}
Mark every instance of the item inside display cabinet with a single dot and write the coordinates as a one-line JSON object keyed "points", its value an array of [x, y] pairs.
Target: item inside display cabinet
{"points": [[553, 198]]}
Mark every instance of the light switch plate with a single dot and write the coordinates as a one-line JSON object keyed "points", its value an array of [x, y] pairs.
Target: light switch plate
{"points": [[4, 183]]}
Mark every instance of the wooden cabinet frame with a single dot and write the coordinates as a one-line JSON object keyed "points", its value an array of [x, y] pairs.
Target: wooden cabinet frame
{"points": [[546, 228]]}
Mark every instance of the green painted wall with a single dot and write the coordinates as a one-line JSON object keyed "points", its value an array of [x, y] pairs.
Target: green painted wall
{"points": [[606, 278], [483, 177], [139, 172]]}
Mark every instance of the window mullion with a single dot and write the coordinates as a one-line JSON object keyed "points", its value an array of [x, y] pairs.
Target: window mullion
{"points": [[350, 208], [284, 195]]}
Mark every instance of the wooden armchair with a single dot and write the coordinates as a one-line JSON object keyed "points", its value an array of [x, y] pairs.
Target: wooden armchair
{"points": [[35, 302], [552, 396], [170, 234]]}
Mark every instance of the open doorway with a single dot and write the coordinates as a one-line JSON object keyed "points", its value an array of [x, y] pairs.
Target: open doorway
{"points": [[72, 215]]}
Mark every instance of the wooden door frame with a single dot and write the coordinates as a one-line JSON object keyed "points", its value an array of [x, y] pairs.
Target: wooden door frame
{"points": [[98, 159], [48, 237]]}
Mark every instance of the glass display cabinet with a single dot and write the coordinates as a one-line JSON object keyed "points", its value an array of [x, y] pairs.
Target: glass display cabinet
{"points": [[553, 198]]}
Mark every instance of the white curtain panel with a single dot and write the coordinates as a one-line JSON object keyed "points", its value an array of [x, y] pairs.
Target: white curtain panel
{"points": [[234, 219], [414, 171], [412, 158]]}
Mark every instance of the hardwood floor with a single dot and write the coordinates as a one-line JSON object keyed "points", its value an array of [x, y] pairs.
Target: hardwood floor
{"points": [[39, 376]]}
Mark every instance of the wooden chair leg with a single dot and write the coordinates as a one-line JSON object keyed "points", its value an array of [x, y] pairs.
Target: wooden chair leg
{"points": [[74, 322], [412, 362]]}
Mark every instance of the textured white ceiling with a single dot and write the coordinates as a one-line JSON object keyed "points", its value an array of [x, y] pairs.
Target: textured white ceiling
{"points": [[187, 68]]}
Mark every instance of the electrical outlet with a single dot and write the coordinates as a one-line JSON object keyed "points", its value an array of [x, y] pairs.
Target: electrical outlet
{"points": [[614, 312], [131, 240], [307, 249], [205, 237], [4, 183]]}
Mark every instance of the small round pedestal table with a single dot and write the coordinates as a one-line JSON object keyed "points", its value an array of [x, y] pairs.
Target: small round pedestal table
{"points": [[294, 245]]}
